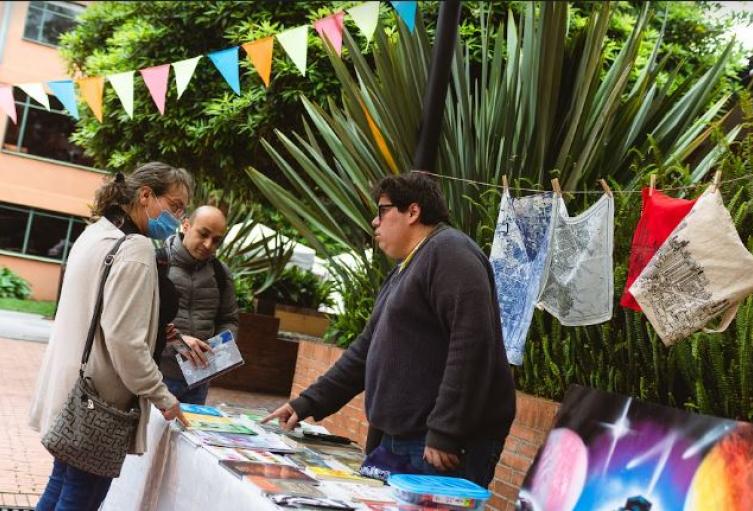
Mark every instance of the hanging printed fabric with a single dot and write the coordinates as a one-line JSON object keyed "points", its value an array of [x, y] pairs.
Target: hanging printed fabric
{"points": [[579, 286], [519, 259], [701, 272], [659, 216]]}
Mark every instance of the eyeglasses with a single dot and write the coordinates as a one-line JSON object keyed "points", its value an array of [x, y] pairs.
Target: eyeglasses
{"points": [[383, 209], [177, 209]]}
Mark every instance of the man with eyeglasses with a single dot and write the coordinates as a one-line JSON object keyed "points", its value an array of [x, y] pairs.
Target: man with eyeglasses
{"points": [[439, 393], [207, 303]]}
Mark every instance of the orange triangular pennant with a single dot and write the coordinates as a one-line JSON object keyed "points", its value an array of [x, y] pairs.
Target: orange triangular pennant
{"points": [[91, 89], [259, 53]]}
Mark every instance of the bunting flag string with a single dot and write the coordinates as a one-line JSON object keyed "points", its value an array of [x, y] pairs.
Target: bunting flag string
{"points": [[156, 78]]}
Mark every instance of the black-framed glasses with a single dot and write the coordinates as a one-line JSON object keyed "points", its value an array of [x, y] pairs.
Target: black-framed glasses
{"points": [[383, 209]]}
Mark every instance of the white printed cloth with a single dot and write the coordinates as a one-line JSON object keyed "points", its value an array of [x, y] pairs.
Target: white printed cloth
{"points": [[580, 281], [701, 272], [519, 259]]}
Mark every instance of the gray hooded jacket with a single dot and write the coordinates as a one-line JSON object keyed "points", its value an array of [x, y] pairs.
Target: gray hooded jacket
{"points": [[202, 312]]}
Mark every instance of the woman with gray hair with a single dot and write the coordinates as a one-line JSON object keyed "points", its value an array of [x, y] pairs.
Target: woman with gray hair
{"points": [[146, 204]]}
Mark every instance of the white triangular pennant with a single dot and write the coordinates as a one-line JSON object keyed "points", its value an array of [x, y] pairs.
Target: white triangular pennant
{"points": [[36, 91], [365, 16], [184, 70], [295, 42], [123, 85]]}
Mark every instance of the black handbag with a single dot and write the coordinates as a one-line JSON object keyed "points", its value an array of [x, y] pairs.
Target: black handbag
{"points": [[89, 433]]}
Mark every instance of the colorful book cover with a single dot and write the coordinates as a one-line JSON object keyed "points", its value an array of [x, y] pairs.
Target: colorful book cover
{"points": [[330, 474], [226, 439], [200, 409], [247, 469], [219, 424], [225, 453], [265, 457], [278, 486]]}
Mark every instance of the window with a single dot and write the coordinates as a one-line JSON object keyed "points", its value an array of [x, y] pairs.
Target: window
{"points": [[47, 21], [43, 133], [38, 233]]}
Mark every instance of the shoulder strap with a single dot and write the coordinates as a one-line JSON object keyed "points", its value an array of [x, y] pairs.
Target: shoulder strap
{"points": [[98, 305], [219, 276]]}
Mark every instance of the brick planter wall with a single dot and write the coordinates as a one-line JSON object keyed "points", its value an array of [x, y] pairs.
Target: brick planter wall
{"points": [[534, 418]]}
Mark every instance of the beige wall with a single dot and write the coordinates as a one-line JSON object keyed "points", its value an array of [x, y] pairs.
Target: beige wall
{"points": [[26, 61], [29, 181], [42, 276]]}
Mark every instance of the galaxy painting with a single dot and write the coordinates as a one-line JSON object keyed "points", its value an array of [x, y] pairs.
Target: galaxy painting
{"points": [[608, 452]]}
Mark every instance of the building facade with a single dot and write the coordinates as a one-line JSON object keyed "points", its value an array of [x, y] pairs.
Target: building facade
{"points": [[46, 181]]}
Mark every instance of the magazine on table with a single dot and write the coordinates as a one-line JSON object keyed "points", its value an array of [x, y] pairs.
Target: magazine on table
{"points": [[246, 469], [331, 474], [295, 502], [200, 410], [218, 424], [287, 487], [224, 357]]}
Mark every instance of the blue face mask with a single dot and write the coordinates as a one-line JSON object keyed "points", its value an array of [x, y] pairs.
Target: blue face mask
{"points": [[163, 226]]}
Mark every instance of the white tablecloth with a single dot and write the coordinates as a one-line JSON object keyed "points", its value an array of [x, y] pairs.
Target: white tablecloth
{"points": [[174, 474]]}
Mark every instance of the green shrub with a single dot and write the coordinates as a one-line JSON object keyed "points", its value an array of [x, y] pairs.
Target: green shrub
{"points": [[295, 287], [13, 286]]}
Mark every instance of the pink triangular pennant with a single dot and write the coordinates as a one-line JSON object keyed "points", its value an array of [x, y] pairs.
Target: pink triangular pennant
{"points": [[7, 103], [155, 79], [331, 27]]}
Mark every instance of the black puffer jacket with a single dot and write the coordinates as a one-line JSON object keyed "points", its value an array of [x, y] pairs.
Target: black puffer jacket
{"points": [[202, 312]]}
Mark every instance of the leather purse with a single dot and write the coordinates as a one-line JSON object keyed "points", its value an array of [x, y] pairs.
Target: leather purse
{"points": [[89, 433]]}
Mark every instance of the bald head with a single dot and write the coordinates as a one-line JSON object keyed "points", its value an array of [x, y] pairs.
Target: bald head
{"points": [[203, 232]]}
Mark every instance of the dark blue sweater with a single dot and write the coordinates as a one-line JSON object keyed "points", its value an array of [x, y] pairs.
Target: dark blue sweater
{"points": [[431, 358]]}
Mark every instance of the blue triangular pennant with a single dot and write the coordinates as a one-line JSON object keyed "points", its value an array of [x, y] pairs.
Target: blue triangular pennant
{"points": [[65, 92], [226, 62], [406, 9]]}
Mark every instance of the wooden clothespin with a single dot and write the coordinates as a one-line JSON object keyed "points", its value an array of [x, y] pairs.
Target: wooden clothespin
{"points": [[505, 184], [556, 186], [717, 180], [652, 185], [605, 187]]}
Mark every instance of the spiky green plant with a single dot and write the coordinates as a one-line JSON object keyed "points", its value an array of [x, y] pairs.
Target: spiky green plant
{"points": [[545, 102]]}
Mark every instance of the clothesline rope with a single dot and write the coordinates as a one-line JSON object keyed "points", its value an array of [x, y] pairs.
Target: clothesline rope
{"points": [[521, 189]]}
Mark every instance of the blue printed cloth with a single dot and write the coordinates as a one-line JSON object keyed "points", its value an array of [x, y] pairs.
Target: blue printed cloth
{"points": [[519, 258]]}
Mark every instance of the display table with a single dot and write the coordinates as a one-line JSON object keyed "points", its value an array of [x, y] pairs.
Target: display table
{"points": [[175, 474]]}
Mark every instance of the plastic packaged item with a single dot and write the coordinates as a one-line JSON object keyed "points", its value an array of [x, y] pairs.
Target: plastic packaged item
{"points": [[439, 491]]}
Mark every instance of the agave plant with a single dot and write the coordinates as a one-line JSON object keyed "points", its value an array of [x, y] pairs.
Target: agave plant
{"points": [[546, 102]]}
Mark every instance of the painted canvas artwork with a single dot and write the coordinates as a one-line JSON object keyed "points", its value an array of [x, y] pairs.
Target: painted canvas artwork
{"points": [[608, 452]]}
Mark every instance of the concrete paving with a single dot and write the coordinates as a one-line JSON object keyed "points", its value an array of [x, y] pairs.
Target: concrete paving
{"points": [[23, 326]]}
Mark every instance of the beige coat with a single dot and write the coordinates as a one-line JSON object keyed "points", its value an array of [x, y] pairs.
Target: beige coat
{"points": [[121, 364]]}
